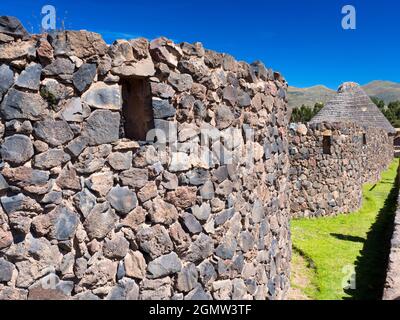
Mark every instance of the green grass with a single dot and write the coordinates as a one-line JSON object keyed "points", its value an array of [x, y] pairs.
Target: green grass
{"points": [[358, 240]]}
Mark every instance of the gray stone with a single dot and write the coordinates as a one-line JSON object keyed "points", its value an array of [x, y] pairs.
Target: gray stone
{"points": [[162, 109], [227, 248], [50, 159], [100, 273], [85, 201], [224, 216], [202, 212], [121, 270], [191, 223], [230, 94], [198, 294], [179, 162], [200, 249], [7, 79], [200, 110], [164, 50], [142, 68], [82, 44], [72, 110], [86, 295], [169, 130], [52, 89], [207, 272], [221, 174], [122, 199], [157, 289], [187, 132], [59, 67], [23, 105], [17, 149], [76, 146], [181, 82], [195, 49], [260, 70], [6, 270], [92, 159], [30, 77], [244, 99], [100, 221], [224, 117], [207, 191], [246, 241], [258, 212], [101, 182], [134, 177], [154, 240], [55, 133], [5, 38], [53, 197], [64, 223], [222, 289], [170, 181], [165, 265], [120, 160], [116, 248], [103, 96], [162, 90], [198, 177], [12, 26], [186, 279], [102, 127], [3, 183], [127, 289], [83, 78]]}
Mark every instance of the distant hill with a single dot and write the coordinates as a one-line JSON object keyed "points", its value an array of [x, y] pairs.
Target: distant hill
{"points": [[386, 90]]}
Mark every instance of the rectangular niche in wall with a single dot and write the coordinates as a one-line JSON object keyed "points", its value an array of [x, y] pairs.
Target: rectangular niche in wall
{"points": [[137, 112], [364, 139], [327, 144]]}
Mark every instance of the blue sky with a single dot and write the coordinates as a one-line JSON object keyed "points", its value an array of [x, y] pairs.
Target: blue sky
{"points": [[303, 39]]}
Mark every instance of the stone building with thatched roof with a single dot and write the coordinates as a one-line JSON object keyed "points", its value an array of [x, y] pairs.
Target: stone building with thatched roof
{"points": [[349, 142], [352, 104]]}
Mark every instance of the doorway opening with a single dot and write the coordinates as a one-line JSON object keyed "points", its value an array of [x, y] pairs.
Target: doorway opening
{"points": [[327, 144], [137, 112]]}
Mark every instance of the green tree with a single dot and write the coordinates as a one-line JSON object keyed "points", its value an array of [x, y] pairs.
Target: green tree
{"points": [[305, 113], [391, 111], [379, 103]]}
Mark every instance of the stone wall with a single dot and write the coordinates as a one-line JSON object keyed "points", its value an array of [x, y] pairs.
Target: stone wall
{"points": [[392, 285], [377, 154], [324, 184], [330, 182], [140, 170]]}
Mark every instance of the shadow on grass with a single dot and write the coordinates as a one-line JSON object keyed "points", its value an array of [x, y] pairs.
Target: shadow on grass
{"points": [[347, 237], [372, 263]]}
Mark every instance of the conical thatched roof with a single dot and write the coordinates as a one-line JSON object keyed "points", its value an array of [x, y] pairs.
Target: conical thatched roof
{"points": [[351, 103]]}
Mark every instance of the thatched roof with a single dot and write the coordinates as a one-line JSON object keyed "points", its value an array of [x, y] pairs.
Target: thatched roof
{"points": [[351, 103]]}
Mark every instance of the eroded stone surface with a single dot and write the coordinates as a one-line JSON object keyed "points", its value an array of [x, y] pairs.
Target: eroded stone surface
{"points": [[184, 215]]}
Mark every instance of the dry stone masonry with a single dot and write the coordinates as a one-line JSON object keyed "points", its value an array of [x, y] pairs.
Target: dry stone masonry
{"points": [[392, 285], [325, 183], [139, 170], [348, 143]]}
